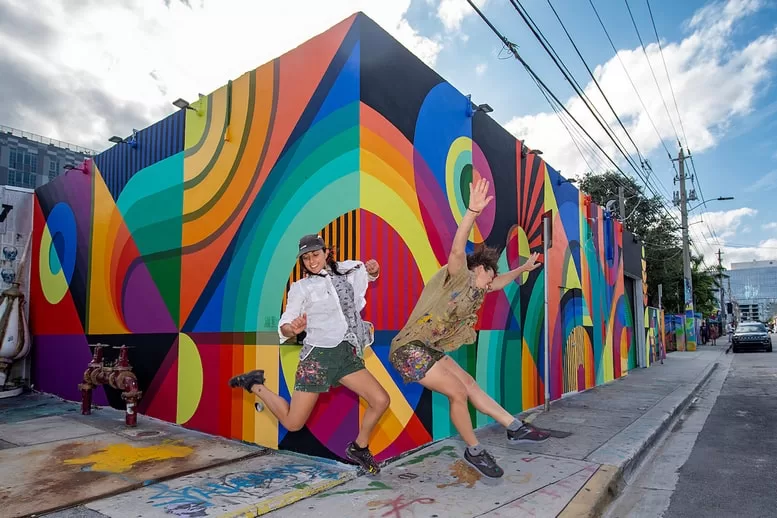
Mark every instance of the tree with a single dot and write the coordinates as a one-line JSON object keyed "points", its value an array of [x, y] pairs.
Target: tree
{"points": [[660, 233]]}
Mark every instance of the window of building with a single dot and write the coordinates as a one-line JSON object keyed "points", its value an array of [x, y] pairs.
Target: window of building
{"points": [[53, 168], [22, 166]]}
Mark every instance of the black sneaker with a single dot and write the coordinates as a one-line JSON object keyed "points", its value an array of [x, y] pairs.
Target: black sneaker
{"points": [[247, 380], [363, 458], [485, 463], [527, 434]]}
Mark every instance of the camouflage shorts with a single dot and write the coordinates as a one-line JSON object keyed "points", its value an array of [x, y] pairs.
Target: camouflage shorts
{"points": [[324, 367], [414, 360]]}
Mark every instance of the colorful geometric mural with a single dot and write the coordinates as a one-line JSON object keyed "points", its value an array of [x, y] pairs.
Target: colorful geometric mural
{"points": [[182, 243], [655, 342]]}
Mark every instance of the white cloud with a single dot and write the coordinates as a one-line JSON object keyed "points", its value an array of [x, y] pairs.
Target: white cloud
{"points": [[713, 231], [770, 226], [766, 183], [713, 81], [452, 12], [82, 71], [481, 69]]}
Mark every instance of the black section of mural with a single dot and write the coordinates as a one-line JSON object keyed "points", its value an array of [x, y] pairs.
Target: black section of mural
{"points": [[632, 255], [306, 443], [394, 82], [498, 146], [146, 354]]}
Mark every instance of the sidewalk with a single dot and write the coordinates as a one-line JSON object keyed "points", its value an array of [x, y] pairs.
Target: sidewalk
{"points": [[608, 429], [53, 458]]}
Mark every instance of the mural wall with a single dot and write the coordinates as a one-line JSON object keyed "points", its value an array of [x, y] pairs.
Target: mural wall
{"points": [[655, 342], [182, 242], [674, 332]]}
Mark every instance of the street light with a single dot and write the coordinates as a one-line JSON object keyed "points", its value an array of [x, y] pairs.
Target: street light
{"points": [[719, 198], [116, 140]]}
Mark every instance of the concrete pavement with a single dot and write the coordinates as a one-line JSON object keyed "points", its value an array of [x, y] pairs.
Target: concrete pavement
{"points": [[53, 457], [608, 430]]}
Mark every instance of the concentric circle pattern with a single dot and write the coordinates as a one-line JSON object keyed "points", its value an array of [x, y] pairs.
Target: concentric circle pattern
{"points": [[57, 253]]}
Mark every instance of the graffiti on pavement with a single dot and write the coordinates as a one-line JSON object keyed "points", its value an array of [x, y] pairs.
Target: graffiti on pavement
{"points": [[448, 450], [397, 505], [120, 458], [195, 500], [372, 486]]}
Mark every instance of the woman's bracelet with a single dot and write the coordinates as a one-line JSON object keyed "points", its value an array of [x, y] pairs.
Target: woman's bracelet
{"points": [[475, 211]]}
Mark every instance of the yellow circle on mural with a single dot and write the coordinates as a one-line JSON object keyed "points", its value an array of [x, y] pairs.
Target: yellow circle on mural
{"points": [[189, 378], [52, 276]]}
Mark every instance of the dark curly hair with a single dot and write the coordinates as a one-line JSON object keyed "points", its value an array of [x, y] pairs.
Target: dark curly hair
{"points": [[484, 256]]}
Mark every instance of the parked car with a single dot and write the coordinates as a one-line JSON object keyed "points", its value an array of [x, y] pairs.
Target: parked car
{"points": [[751, 335]]}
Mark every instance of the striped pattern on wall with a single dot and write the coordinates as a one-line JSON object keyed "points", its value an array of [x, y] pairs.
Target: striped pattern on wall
{"points": [[157, 142], [342, 235]]}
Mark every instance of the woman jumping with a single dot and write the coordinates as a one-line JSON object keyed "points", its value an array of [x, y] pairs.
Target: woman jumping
{"points": [[443, 320], [326, 305]]}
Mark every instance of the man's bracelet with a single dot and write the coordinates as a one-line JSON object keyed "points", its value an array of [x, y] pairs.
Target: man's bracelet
{"points": [[475, 211]]}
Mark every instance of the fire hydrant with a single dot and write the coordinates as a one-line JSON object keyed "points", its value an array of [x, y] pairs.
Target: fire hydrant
{"points": [[118, 375]]}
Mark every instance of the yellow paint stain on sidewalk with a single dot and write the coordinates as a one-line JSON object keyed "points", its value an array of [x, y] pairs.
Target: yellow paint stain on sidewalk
{"points": [[120, 458]]}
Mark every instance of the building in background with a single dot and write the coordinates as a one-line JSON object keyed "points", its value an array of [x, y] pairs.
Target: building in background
{"points": [[754, 289], [29, 160]]}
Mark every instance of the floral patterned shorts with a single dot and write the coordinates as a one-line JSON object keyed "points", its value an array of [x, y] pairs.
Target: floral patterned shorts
{"points": [[414, 360], [326, 366]]}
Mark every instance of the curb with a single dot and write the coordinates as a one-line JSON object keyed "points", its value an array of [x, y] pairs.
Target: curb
{"points": [[605, 484]]}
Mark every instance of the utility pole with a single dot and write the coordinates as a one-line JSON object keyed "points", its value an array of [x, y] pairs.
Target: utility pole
{"points": [[722, 291], [690, 316], [622, 203]]}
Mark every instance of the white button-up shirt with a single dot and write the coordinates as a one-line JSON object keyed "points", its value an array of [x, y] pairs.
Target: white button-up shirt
{"points": [[316, 296]]}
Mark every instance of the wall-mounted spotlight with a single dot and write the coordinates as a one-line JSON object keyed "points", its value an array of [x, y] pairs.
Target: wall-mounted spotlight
{"points": [[184, 105], [561, 181], [83, 168], [473, 109], [526, 151], [131, 140]]}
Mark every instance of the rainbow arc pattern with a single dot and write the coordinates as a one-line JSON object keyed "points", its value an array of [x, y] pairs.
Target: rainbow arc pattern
{"points": [[184, 245]]}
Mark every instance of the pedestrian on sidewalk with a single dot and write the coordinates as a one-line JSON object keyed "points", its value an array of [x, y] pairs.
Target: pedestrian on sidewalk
{"points": [[326, 306], [730, 332], [703, 331], [443, 320]]}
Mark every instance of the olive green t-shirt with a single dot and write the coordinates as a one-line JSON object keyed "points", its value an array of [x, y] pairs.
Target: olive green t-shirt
{"points": [[446, 313]]}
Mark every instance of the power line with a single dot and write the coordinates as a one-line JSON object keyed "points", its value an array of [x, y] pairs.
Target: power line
{"points": [[513, 49], [666, 69], [558, 61], [593, 78], [617, 55], [660, 94], [548, 47]]}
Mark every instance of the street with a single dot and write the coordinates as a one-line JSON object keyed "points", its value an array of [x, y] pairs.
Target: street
{"points": [[720, 457]]}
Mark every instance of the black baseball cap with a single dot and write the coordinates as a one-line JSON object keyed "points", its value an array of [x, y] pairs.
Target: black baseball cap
{"points": [[310, 243]]}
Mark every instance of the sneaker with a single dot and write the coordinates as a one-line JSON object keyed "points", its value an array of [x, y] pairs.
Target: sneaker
{"points": [[527, 434], [485, 463], [363, 458], [247, 380]]}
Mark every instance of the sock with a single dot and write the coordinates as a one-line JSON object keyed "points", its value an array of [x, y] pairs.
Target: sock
{"points": [[475, 450], [515, 425], [359, 448]]}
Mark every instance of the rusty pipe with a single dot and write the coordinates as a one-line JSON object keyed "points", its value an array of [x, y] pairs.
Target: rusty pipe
{"points": [[131, 395]]}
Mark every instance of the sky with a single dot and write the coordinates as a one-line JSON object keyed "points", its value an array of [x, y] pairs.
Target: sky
{"points": [[84, 70]]}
